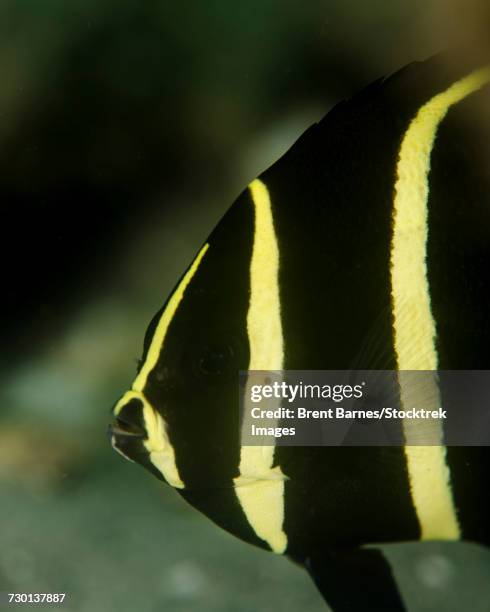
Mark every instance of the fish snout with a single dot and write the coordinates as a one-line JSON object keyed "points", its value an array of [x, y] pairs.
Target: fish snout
{"points": [[129, 419], [128, 433]]}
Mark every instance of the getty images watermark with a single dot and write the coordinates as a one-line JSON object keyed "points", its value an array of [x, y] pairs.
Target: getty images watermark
{"points": [[365, 407]]}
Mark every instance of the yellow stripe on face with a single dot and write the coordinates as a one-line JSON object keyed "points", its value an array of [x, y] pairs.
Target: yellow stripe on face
{"points": [[164, 323], [158, 445], [160, 450], [260, 487], [414, 325]]}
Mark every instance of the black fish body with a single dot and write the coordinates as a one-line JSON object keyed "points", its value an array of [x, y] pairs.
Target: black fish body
{"points": [[367, 245]]}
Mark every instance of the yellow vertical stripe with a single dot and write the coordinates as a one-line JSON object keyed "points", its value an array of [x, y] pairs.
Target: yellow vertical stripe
{"points": [[160, 450], [164, 323], [414, 325], [260, 487], [158, 444]]}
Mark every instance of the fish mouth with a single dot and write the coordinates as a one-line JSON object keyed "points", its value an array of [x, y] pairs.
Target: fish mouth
{"points": [[129, 422], [121, 427], [128, 432]]}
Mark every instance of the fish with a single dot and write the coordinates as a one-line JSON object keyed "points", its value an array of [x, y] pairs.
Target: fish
{"points": [[367, 245]]}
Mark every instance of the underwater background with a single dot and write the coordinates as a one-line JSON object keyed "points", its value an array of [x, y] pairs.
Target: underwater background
{"points": [[126, 130]]}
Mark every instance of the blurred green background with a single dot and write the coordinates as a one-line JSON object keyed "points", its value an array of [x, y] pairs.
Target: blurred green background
{"points": [[126, 130]]}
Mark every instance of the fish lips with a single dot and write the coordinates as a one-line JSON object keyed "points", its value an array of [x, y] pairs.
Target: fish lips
{"points": [[127, 432], [129, 421], [127, 441], [121, 428]]}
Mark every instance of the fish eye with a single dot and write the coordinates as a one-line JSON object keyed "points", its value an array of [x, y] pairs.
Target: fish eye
{"points": [[214, 360]]}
